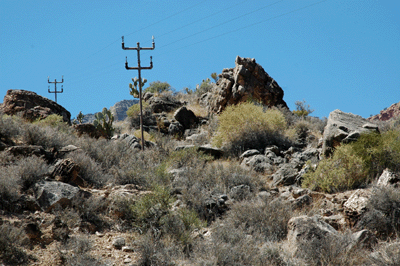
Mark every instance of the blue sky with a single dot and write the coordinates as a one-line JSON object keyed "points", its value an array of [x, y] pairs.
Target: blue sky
{"points": [[335, 54]]}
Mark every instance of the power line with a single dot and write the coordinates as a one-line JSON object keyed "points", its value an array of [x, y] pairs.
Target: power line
{"points": [[222, 34], [248, 26], [223, 23]]}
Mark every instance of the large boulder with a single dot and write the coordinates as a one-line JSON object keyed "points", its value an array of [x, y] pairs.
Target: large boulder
{"points": [[186, 117], [248, 80], [32, 106], [49, 194], [307, 235], [163, 103], [344, 128]]}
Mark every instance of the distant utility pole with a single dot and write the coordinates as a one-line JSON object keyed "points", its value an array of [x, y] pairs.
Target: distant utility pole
{"points": [[139, 68], [55, 86]]}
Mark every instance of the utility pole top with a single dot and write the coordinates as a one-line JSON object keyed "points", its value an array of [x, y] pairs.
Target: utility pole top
{"points": [[55, 86]]}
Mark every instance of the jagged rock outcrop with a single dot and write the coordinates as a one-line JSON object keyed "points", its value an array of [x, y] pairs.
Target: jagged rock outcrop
{"points": [[119, 109], [247, 80], [32, 106], [344, 128], [388, 113]]}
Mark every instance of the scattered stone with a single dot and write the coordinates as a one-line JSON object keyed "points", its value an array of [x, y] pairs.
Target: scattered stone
{"points": [[67, 171], [259, 163], [118, 242], [127, 249]]}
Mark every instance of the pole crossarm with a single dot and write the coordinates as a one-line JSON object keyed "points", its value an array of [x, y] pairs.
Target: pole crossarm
{"points": [[55, 86], [139, 68]]}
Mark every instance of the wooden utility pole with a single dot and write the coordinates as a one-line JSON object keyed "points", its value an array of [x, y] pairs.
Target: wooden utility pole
{"points": [[139, 68], [55, 86]]}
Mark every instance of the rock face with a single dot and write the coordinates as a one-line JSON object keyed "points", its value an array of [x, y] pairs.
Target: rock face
{"points": [[388, 113], [343, 127], [32, 106], [248, 80], [119, 109]]}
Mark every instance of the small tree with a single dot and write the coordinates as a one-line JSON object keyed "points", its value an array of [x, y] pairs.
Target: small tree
{"points": [[104, 122], [214, 76], [302, 109], [80, 117], [134, 87], [158, 87]]}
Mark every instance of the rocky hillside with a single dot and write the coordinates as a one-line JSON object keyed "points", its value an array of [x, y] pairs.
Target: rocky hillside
{"points": [[391, 113], [247, 184]]}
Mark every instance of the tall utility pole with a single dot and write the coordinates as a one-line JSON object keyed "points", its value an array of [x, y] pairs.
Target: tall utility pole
{"points": [[55, 86], [139, 68]]}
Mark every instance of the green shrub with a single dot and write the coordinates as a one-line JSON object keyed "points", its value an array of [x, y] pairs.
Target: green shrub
{"points": [[246, 126], [52, 120], [134, 110], [158, 87], [344, 170], [149, 208], [357, 163]]}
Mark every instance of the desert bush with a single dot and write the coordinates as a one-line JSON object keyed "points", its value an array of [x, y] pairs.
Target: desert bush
{"points": [[383, 212], [234, 246], [143, 168], [267, 219], [77, 252], [158, 87], [90, 170], [302, 109], [150, 208], [47, 137], [54, 121], [134, 110], [9, 189], [91, 210], [246, 126], [357, 163], [344, 170], [187, 157], [30, 170], [179, 226], [11, 239], [10, 128], [153, 252], [330, 251]]}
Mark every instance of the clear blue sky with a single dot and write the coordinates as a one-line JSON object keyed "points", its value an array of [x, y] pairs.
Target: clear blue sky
{"points": [[335, 54]]}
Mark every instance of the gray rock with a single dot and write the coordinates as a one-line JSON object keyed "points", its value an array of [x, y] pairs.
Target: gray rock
{"points": [[164, 103], [388, 178], [175, 129], [301, 201], [364, 239], [249, 153], [286, 175], [52, 193], [309, 233], [247, 80], [118, 242], [357, 203], [259, 163], [344, 128]]}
